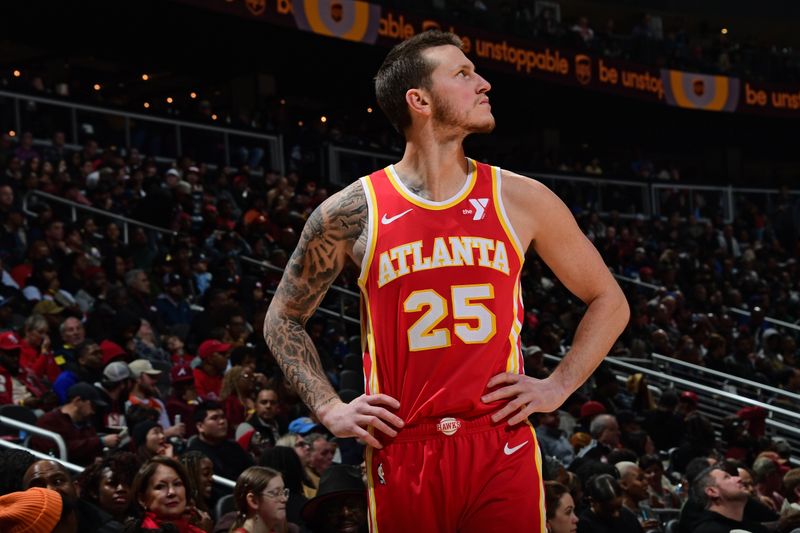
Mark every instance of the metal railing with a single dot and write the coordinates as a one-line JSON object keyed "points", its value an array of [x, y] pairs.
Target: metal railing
{"points": [[59, 440], [225, 482], [75, 207], [627, 197], [715, 403], [741, 312], [180, 131]]}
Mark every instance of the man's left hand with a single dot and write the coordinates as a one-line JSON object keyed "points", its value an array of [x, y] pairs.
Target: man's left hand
{"points": [[527, 395]]}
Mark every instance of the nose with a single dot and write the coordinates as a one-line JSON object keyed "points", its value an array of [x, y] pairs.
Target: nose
{"points": [[483, 86]]}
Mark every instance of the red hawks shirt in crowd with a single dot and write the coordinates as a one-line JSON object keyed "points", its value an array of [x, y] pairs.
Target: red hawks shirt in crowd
{"points": [[442, 303]]}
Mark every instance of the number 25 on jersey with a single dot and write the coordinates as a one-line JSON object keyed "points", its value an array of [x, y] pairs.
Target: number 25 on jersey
{"points": [[467, 309]]}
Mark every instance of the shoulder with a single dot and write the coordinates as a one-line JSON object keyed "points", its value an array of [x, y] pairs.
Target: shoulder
{"points": [[524, 189], [344, 213]]}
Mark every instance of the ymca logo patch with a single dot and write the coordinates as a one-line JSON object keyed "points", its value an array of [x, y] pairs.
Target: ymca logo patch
{"points": [[479, 208]]}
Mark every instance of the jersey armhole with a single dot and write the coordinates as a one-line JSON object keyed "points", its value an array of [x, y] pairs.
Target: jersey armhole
{"points": [[497, 183], [369, 250]]}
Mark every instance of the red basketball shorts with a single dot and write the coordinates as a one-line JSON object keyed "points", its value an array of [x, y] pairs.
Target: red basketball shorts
{"points": [[457, 476]]}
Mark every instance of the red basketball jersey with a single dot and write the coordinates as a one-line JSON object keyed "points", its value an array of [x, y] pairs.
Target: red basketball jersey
{"points": [[441, 301]]}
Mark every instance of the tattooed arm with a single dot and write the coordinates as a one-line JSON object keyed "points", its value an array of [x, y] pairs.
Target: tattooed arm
{"points": [[334, 231]]}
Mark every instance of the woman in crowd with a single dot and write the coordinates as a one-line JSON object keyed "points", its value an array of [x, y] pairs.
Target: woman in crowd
{"points": [[159, 489], [201, 478], [560, 508], [606, 513], [238, 395], [260, 497], [149, 439], [107, 484]]}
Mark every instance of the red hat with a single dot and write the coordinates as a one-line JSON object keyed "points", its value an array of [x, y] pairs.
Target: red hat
{"points": [[689, 395], [112, 350], [592, 408], [211, 347], [181, 373], [245, 438], [9, 341]]}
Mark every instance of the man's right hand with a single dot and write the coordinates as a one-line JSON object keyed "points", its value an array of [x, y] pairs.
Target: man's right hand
{"points": [[352, 419], [110, 441]]}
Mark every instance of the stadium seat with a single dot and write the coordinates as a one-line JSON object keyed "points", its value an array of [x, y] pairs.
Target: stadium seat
{"points": [[350, 379], [19, 413], [225, 505]]}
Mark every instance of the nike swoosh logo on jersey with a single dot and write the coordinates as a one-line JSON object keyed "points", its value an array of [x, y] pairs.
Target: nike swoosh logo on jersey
{"points": [[509, 451], [389, 220]]}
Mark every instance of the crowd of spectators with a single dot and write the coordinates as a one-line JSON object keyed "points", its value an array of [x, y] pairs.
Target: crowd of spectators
{"points": [[143, 350]]}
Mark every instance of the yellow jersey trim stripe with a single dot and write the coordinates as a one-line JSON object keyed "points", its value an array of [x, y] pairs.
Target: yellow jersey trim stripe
{"points": [[538, 460], [372, 510]]}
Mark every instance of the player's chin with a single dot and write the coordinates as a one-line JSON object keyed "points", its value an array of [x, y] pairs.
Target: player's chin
{"points": [[484, 126]]}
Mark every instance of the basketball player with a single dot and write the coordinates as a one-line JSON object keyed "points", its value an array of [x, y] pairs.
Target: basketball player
{"points": [[441, 240]]}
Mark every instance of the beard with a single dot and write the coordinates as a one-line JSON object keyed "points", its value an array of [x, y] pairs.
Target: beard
{"points": [[446, 117]]}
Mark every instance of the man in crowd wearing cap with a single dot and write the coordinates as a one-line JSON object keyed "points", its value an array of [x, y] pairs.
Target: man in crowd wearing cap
{"points": [[228, 457], [51, 311], [145, 393], [12, 389], [340, 505], [182, 399], [88, 368], [52, 475], [73, 421], [171, 304], [208, 376], [114, 388]]}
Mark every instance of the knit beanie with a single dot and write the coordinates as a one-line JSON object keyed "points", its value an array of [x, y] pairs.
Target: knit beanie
{"points": [[36, 510]]}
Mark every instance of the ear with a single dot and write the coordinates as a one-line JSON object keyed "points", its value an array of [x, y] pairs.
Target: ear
{"points": [[252, 501], [712, 492], [418, 101]]}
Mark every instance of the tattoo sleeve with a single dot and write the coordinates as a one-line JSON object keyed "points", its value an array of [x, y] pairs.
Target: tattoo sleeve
{"points": [[325, 243]]}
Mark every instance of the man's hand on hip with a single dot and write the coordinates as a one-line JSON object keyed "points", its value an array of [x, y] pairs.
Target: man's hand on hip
{"points": [[352, 419], [526, 395]]}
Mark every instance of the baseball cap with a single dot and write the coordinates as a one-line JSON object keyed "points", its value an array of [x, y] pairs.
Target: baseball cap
{"points": [[47, 307], [36, 509], [9, 341], [181, 373], [85, 391], [211, 346], [689, 395], [193, 170], [592, 408], [302, 425], [172, 172], [142, 366], [116, 371], [111, 350]]}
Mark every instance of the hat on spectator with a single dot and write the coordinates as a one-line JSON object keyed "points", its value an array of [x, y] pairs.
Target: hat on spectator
{"points": [[184, 187], [111, 350], [9, 341], [592, 408], [302, 425], [336, 482], [212, 346], [690, 396], [173, 279], [47, 307], [116, 371], [769, 332], [142, 366], [193, 170], [86, 391], [140, 431], [36, 509], [172, 172], [181, 373]]}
